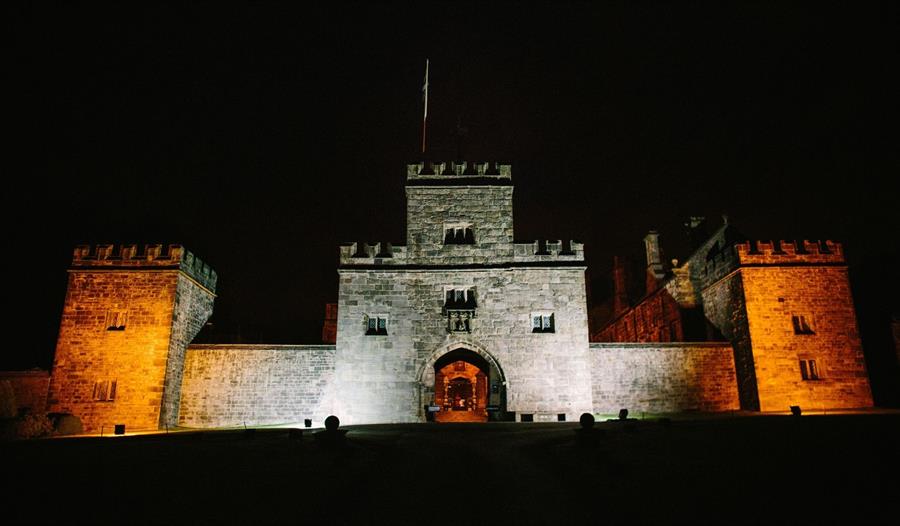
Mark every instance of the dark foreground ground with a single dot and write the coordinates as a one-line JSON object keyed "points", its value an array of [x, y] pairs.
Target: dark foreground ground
{"points": [[772, 469]]}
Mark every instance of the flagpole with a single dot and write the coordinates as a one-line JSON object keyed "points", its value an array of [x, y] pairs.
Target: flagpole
{"points": [[425, 114]]}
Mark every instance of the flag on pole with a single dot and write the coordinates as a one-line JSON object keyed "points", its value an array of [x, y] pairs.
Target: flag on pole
{"points": [[425, 90], [425, 97]]}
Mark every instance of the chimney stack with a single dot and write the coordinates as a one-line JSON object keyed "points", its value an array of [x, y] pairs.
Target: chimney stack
{"points": [[620, 301], [655, 272]]}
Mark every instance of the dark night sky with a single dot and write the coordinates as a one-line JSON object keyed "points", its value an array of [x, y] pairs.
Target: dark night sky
{"points": [[262, 136]]}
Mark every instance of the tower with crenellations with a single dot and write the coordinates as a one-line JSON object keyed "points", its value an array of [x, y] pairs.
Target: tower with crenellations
{"points": [[128, 317], [416, 321], [785, 306]]}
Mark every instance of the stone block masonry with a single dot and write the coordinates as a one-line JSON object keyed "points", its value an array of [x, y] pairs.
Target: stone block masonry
{"points": [[233, 385], [126, 320], [663, 377], [776, 298], [460, 238], [379, 375]]}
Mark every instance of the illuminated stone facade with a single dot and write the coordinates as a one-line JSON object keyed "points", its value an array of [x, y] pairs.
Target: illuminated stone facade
{"points": [[787, 310], [464, 322], [461, 284], [127, 320], [234, 385], [664, 377]]}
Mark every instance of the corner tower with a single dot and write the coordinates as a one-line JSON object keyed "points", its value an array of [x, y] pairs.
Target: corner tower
{"points": [[127, 320], [787, 308], [802, 325]]}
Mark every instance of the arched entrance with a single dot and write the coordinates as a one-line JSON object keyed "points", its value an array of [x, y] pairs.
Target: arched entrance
{"points": [[463, 385]]}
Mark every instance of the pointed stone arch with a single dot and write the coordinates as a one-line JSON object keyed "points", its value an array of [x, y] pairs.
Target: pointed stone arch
{"points": [[426, 372], [425, 375]]}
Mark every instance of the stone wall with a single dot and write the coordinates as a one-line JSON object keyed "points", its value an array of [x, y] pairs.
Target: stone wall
{"points": [[488, 209], [663, 377], [126, 320], [193, 306], [232, 385], [386, 378], [821, 294], [723, 306], [28, 389]]}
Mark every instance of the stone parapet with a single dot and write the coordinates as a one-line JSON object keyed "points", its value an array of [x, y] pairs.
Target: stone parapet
{"points": [[458, 172], [149, 256], [374, 253], [381, 254], [555, 250], [789, 252]]}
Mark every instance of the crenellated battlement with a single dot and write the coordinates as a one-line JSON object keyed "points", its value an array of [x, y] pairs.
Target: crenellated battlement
{"points": [[458, 171], [153, 256], [377, 252], [548, 250], [770, 252]]}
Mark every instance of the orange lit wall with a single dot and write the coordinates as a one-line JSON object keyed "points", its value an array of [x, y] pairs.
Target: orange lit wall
{"points": [[779, 286], [164, 308]]}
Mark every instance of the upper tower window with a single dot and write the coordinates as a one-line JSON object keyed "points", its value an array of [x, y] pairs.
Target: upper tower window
{"points": [[802, 324], [459, 234]]}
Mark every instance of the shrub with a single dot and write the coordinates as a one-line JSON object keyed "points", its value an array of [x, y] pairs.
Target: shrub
{"points": [[33, 425]]}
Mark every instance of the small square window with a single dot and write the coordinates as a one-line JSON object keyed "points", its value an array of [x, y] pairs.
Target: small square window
{"points": [[376, 325], [802, 324], [115, 319], [104, 391], [809, 370], [527, 417], [542, 323], [561, 417]]}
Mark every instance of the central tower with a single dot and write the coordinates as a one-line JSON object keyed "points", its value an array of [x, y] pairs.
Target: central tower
{"points": [[459, 213], [461, 318]]}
